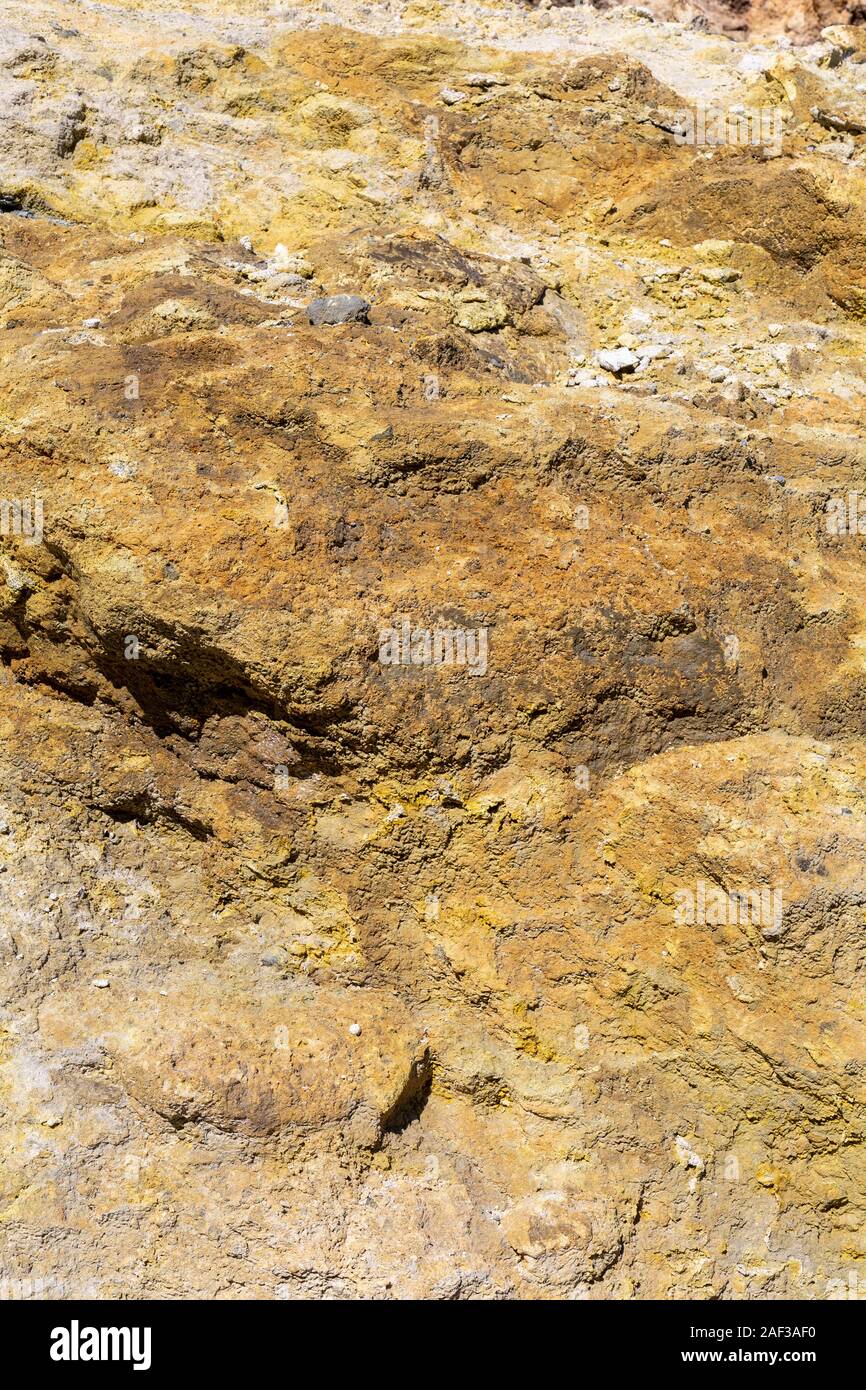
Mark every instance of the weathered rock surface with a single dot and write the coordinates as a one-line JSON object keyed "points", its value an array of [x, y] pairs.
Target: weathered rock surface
{"points": [[338, 308], [433, 767], [801, 20]]}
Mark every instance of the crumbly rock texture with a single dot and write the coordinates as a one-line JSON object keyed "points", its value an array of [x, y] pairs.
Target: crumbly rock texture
{"points": [[433, 758]]}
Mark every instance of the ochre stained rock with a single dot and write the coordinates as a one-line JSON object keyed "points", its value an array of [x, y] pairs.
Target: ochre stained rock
{"points": [[433, 744]]}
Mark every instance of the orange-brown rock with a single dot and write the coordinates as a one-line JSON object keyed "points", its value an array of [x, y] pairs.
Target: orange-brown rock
{"points": [[433, 746]]}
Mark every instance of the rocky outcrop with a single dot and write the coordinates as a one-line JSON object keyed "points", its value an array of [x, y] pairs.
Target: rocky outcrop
{"points": [[433, 735], [800, 20]]}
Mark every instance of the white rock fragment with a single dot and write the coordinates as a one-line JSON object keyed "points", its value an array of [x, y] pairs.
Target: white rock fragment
{"points": [[734, 391], [616, 360], [720, 274], [355, 1029], [15, 579], [585, 378], [485, 79], [739, 990], [686, 1155], [781, 354], [100, 984], [753, 63], [649, 352]]}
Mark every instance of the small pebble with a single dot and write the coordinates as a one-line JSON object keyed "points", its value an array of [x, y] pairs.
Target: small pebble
{"points": [[355, 1029]]}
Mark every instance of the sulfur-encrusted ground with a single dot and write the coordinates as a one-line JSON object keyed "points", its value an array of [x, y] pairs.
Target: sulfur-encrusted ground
{"points": [[328, 969]]}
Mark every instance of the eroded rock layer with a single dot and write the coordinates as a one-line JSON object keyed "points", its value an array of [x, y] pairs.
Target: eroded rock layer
{"points": [[799, 20], [434, 722]]}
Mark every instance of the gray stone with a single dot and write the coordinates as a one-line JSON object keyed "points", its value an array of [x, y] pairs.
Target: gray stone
{"points": [[617, 360], [71, 130], [338, 308]]}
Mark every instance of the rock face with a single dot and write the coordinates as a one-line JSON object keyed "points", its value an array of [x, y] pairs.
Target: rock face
{"points": [[433, 757], [801, 20]]}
